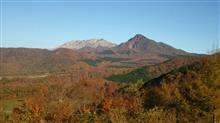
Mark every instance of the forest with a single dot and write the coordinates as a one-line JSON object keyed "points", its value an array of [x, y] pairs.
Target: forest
{"points": [[185, 92]]}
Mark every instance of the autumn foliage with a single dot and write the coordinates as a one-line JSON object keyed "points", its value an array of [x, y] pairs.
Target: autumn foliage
{"points": [[189, 94]]}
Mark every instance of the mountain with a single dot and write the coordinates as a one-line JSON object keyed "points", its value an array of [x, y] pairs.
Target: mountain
{"points": [[91, 43], [141, 44], [142, 51], [137, 52], [138, 45]]}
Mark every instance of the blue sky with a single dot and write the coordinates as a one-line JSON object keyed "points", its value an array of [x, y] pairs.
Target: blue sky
{"points": [[192, 26]]}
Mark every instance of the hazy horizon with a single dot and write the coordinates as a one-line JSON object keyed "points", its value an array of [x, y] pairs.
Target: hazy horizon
{"points": [[189, 25]]}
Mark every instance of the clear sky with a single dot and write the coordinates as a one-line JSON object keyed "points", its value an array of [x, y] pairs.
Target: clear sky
{"points": [[192, 26]]}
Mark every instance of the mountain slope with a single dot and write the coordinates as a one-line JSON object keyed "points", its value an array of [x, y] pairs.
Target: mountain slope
{"points": [[147, 73], [192, 90], [92, 43], [141, 44], [189, 94], [36, 61]]}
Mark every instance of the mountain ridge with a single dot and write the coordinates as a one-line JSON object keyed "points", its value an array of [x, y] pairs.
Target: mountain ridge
{"points": [[90, 43], [136, 52]]}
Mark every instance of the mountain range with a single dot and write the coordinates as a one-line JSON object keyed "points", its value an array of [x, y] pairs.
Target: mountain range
{"points": [[137, 44], [136, 52]]}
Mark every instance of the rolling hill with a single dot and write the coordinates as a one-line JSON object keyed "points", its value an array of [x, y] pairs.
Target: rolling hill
{"points": [[21, 61]]}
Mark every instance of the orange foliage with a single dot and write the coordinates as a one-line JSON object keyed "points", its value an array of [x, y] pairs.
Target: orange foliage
{"points": [[107, 103]]}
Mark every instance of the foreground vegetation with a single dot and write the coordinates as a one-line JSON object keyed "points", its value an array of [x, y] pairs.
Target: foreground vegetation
{"points": [[189, 94]]}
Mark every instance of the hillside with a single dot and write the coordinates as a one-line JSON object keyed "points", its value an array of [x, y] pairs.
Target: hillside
{"points": [[35, 61], [192, 90], [189, 94], [152, 71]]}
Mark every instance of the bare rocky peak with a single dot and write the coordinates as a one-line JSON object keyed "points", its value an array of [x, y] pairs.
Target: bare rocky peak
{"points": [[91, 43], [143, 44]]}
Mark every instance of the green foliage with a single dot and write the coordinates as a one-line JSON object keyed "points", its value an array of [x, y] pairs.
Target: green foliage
{"points": [[107, 52], [8, 105], [126, 52], [88, 117], [133, 76], [155, 115], [99, 60], [116, 66], [134, 88], [111, 59], [92, 62], [118, 115], [4, 80], [129, 63]]}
